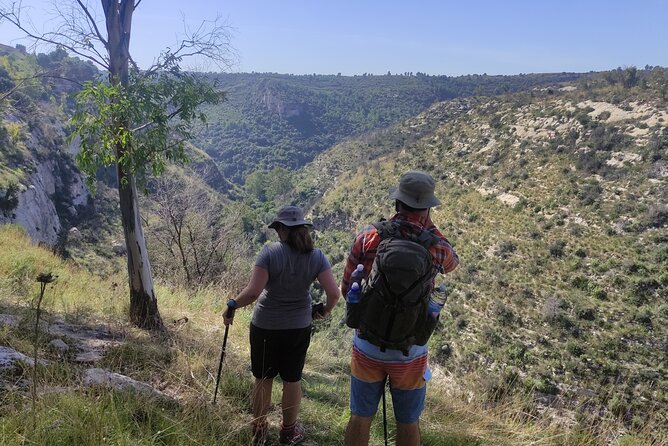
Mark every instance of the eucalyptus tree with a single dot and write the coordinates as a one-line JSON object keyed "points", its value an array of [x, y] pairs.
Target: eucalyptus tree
{"points": [[135, 119]]}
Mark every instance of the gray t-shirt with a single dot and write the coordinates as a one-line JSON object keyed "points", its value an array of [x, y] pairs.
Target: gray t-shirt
{"points": [[285, 302]]}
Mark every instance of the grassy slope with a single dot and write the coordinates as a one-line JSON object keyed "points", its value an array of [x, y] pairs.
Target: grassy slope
{"points": [[183, 366], [563, 291]]}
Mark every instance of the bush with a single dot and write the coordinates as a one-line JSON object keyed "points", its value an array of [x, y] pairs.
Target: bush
{"points": [[505, 248], [643, 316], [552, 309], [557, 248], [580, 253], [656, 216], [599, 293], [543, 384], [503, 313], [6, 82], [10, 199], [581, 283], [586, 313], [589, 193], [618, 405], [574, 348]]}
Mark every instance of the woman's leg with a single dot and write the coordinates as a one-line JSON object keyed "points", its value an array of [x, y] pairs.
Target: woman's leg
{"points": [[261, 399], [292, 398]]}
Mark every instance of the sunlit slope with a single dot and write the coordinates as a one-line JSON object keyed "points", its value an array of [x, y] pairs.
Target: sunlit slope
{"points": [[556, 202]]}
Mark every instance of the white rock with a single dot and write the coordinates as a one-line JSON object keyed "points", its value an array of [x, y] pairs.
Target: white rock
{"points": [[59, 345], [106, 378]]}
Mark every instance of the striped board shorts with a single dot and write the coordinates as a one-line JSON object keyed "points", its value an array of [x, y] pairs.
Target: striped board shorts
{"points": [[370, 368]]}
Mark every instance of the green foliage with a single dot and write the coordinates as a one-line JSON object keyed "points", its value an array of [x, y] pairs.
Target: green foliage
{"points": [[284, 120], [6, 81], [140, 127], [269, 185], [10, 199]]}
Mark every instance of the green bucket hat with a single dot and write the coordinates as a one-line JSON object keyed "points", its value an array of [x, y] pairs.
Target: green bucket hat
{"points": [[416, 189]]}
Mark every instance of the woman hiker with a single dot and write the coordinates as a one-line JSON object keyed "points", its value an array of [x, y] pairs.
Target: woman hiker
{"points": [[280, 329]]}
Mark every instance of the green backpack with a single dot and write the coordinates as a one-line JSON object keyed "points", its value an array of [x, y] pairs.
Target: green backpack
{"points": [[395, 297]]}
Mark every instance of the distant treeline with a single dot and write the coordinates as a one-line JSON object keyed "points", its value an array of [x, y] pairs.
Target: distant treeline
{"points": [[285, 120]]}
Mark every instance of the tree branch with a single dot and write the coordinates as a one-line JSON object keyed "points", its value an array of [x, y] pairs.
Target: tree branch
{"points": [[91, 22], [13, 16], [210, 40]]}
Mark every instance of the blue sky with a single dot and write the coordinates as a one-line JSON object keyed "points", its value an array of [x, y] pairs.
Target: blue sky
{"points": [[436, 37]]}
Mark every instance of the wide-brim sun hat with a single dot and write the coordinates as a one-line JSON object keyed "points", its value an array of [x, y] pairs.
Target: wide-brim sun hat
{"points": [[416, 189], [289, 216]]}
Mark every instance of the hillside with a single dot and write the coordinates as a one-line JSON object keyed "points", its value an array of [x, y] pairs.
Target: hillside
{"points": [[555, 332], [556, 202], [40, 188], [102, 381], [274, 120]]}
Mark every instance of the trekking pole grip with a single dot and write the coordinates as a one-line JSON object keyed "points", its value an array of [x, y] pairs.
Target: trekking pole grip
{"points": [[231, 307]]}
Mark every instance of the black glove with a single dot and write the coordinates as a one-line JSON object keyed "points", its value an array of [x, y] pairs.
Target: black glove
{"points": [[318, 308], [231, 306]]}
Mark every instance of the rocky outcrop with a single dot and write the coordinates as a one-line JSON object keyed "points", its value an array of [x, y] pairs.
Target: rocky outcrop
{"points": [[46, 199], [209, 172], [35, 210]]}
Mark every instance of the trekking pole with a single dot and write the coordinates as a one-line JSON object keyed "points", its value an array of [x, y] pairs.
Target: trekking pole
{"points": [[384, 414], [222, 354]]}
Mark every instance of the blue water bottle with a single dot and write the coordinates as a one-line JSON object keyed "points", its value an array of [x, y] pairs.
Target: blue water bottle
{"points": [[437, 300], [354, 292], [357, 275], [353, 298]]}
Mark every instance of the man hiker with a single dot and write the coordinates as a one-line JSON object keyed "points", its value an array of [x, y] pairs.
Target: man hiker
{"points": [[393, 325]]}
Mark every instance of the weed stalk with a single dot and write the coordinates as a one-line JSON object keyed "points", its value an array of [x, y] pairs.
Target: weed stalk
{"points": [[44, 279]]}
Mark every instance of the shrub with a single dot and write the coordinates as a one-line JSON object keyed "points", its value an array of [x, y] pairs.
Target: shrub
{"points": [[574, 348], [557, 248], [618, 405], [646, 287], [552, 308], [543, 384], [490, 336], [581, 283], [504, 314], [10, 200], [589, 193], [656, 216], [643, 316], [586, 313], [505, 248], [580, 253], [517, 351], [599, 293]]}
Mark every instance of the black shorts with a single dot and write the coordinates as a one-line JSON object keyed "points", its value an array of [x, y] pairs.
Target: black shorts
{"points": [[279, 352]]}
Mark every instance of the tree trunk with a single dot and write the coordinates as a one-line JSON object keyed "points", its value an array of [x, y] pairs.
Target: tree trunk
{"points": [[143, 303]]}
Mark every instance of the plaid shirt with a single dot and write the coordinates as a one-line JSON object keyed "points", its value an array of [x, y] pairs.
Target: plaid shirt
{"points": [[366, 242]]}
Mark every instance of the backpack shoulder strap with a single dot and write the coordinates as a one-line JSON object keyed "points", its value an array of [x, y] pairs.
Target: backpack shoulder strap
{"points": [[387, 229], [390, 229], [427, 238]]}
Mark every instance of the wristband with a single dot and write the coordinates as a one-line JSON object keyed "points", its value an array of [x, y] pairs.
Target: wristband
{"points": [[231, 306]]}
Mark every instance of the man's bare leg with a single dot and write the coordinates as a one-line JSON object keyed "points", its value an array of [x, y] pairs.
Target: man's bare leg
{"points": [[408, 434], [357, 431]]}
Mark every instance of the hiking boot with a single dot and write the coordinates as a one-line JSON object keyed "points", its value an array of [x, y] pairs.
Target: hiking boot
{"points": [[293, 434], [260, 434]]}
